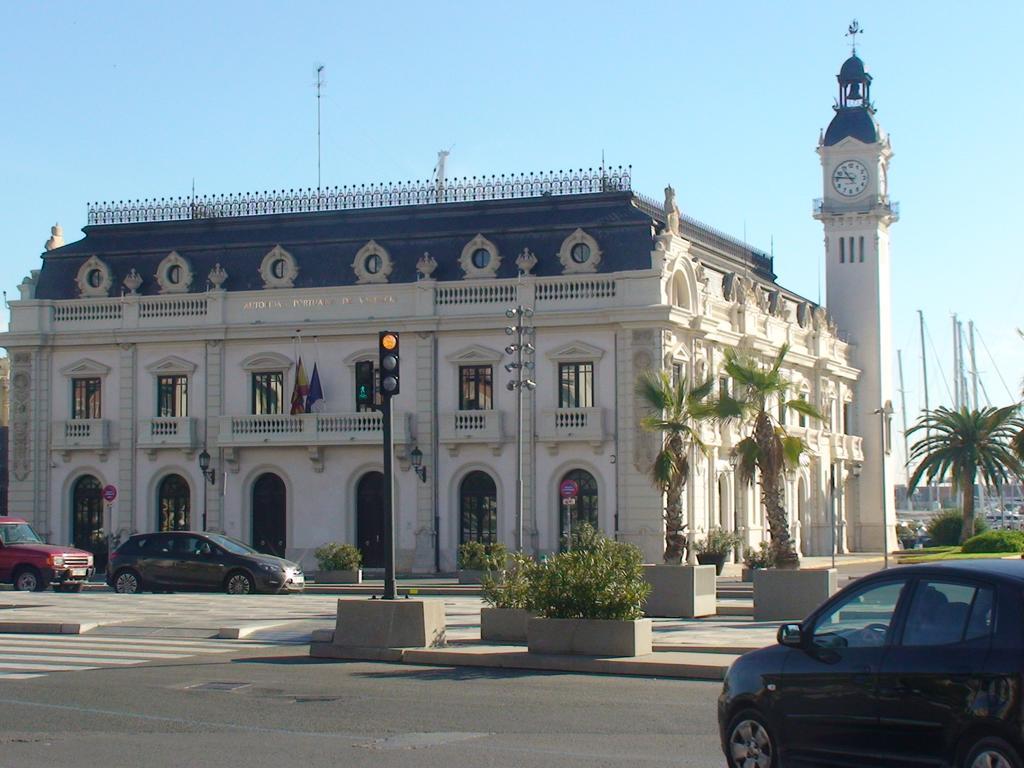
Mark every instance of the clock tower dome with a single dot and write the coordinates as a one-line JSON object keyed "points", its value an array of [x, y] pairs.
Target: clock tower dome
{"points": [[856, 213]]}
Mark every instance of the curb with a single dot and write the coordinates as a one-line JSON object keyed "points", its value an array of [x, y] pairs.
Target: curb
{"points": [[673, 664], [44, 628], [239, 633]]}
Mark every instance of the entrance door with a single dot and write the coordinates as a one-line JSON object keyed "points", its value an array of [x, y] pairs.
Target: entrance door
{"points": [[173, 498], [478, 509], [87, 520], [370, 519], [269, 515]]}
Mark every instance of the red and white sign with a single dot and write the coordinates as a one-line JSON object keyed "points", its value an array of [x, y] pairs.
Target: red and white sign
{"points": [[569, 489], [109, 492]]}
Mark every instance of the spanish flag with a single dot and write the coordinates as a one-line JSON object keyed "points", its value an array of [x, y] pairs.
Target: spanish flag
{"points": [[301, 390]]}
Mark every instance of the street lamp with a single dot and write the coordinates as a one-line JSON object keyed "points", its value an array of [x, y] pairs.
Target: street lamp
{"points": [[416, 456], [519, 368], [209, 475], [885, 412]]}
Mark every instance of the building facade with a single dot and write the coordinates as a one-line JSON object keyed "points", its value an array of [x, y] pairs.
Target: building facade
{"points": [[178, 326]]}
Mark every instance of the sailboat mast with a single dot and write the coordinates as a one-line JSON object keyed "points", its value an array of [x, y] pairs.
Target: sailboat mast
{"points": [[903, 410], [924, 371], [974, 364]]}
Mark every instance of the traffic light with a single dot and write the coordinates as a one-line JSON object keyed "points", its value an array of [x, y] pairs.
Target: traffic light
{"points": [[364, 384], [389, 363]]}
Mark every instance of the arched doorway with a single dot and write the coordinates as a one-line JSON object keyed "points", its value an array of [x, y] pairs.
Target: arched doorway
{"points": [[370, 519], [87, 519], [582, 509], [478, 508], [269, 515], [173, 503]]}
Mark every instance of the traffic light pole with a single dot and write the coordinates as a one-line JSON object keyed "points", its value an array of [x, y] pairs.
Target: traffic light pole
{"points": [[390, 588]]}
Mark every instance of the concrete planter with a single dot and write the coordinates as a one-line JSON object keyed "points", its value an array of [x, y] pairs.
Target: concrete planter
{"points": [[504, 625], [680, 591], [747, 574], [789, 595], [340, 577], [589, 637], [390, 624]]}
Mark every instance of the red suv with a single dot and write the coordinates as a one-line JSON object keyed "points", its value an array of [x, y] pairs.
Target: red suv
{"points": [[32, 565]]}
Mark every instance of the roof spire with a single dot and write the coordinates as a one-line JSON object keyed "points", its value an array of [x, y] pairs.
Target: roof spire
{"points": [[851, 32]]}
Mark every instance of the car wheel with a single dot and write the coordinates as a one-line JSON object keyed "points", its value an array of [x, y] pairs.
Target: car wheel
{"points": [[992, 752], [751, 743], [29, 580], [239, 583], [127, 582]]}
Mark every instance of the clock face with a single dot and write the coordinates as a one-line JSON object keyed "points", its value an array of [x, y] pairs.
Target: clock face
{"points": [[850, 178]]}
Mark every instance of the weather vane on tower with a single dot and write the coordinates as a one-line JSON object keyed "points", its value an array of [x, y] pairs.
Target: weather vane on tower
{"points": [[852, 31]]}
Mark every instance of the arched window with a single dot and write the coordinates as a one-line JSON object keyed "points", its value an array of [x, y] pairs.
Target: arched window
{"points": [[478, 509], [87, 519], [173, 504], [582, 508]]}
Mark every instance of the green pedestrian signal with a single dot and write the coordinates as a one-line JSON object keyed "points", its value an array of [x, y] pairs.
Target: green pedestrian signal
{"points": [[364, 384]]}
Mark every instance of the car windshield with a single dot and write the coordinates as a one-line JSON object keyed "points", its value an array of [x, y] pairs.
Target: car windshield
{"points": [[234, 546], [19, 533]]}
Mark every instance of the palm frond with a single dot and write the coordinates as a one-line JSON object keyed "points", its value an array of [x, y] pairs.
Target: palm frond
{"points": [[747, 454], [792, 449], [805, 408]]}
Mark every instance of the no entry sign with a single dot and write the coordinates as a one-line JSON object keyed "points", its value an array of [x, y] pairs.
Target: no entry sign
{"points": [[569, 489], [109, 492]]}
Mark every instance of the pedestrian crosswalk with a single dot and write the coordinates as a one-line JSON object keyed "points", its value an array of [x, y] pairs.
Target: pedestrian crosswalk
{"points": [[23, 657]]}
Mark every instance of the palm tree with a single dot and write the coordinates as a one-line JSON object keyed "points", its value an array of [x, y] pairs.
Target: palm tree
{"points": [[768, 450], [676, 411], [966, 444]]}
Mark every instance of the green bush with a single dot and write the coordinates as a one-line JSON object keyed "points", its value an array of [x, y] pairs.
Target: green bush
{"points": [[514, 587], [598, 579], [995, 541], [762, 557], [718, 542], [477, 556], [338, 557], [944, 528]]}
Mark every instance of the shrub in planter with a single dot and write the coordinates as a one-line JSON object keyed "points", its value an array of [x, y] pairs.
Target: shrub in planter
{"points": [[944, 528], [995, 541], [509, 601], [338, 557], [762, 557], [477, 556], [598, 579], [715, 548]]}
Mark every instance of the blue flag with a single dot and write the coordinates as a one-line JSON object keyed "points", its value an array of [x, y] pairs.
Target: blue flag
{"points": [[315, 398]]}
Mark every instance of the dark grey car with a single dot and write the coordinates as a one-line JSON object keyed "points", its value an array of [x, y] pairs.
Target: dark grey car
{"points": [[188, 560]]}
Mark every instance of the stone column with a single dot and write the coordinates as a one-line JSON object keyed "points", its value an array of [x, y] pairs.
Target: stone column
{"points": [[123, 521]]}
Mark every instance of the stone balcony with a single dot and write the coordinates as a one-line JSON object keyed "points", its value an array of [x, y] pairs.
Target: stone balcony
{"points": [[81, 435], [460, 428], [312, 431], [849, 447], [571, 425], [167, 432]]}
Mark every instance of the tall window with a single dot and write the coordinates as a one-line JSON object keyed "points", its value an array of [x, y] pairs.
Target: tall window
{"points": [[85, 399], [724, 390], [846, 419], [475, 389], [782, 408], [803, 418], [478, 508], [842, 250], [575, 385], [172, 396], [861, 244], [678, 373], [268, 392]]}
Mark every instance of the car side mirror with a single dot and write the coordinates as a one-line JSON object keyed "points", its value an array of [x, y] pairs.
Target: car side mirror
{"points": [[790, 635]]}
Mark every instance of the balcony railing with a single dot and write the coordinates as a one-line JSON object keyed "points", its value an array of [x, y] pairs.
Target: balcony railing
{"points": [[876, 202], [81, 435], [167, 432], [308, 429], [471, 427], [569, 425]]}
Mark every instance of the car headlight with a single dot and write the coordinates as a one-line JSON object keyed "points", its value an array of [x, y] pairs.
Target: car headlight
{"points": [[269, 568], [55, 560]]}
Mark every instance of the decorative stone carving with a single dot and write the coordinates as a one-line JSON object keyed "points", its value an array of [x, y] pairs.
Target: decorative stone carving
{"points": [[21, 403], [217, 277], [174, 274], [94, 278], [426, 265], [803, 314], [132, 281], [776, 303], [579, 253], [475, 262], [671, 210], [820, 318], [27, 288], [372, 263], [279, 269], [526, 261], [56, 238]]}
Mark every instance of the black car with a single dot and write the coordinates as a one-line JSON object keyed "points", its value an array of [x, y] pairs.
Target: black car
{"points": [[920, 665], [186, 560]]}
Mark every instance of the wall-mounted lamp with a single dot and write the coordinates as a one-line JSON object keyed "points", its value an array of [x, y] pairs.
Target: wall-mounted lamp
{"points": [[416, 456], [204, 467], [856, 469]]}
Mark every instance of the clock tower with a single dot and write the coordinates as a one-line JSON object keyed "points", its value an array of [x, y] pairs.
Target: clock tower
{"points": [[856, 213]]}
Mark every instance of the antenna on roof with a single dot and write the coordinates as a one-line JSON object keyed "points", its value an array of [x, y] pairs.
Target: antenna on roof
{"points": [[319, 87], [442, 155]]}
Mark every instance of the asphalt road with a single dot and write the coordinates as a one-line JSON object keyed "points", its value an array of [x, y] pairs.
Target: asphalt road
{"points": [[295, 711]]}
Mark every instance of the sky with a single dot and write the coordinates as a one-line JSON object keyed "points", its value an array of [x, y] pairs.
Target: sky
{"points": [[125, 100]]}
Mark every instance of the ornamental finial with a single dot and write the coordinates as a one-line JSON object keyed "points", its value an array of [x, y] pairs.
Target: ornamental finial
{"points": [[851, 32]]}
